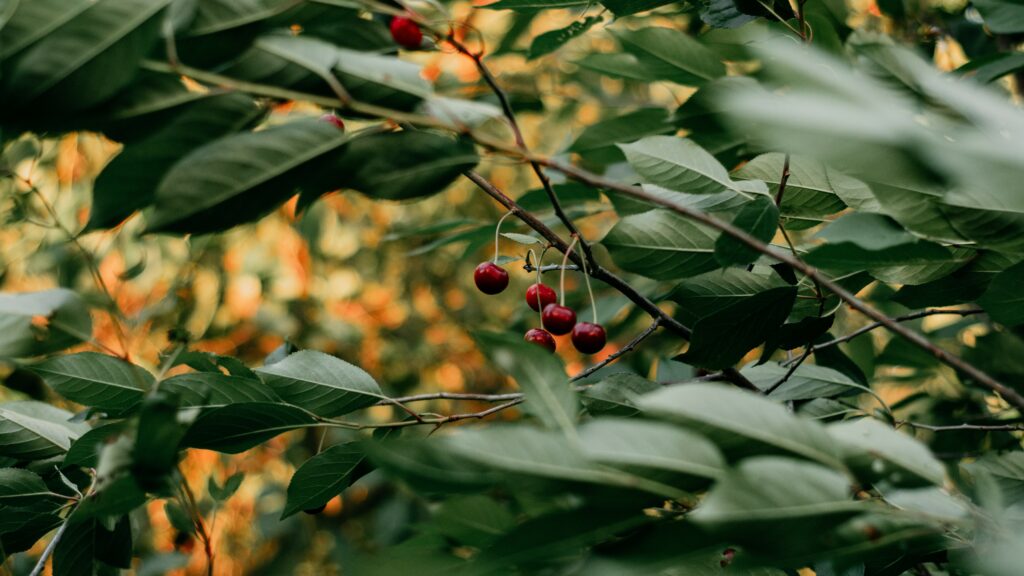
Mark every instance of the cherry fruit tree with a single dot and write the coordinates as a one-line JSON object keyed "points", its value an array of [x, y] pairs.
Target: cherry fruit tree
{"points": [[793, 231]]}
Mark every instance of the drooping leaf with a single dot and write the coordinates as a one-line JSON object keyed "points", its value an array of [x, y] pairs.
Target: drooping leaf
{"points": [[238, 427], [552, 40], [807, 382], [35, 323], [31, 430], [668, 54], [716, 344], [1004, 299], [792, 499], [677, 164], [129, 182], [87, 59], [661, 244], [539, 374], [653, 449], [878, 453], [324, 385], [741, 423], [241, 177], [760, 219], [322, 477], [96, 380]]}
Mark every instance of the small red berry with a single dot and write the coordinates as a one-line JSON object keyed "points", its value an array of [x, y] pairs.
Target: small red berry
{"points": [[315, 511], [333, 119], [541, 337], [540, 295], [558, 319], [490, 278], [406, 33], [727, 557], [588, 338]]}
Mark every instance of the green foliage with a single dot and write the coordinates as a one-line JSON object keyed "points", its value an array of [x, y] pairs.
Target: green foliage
{"points": [[861, 178]]}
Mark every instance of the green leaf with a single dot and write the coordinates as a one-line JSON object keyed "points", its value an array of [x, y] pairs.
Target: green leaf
{"points": [[532, 5], [616, 394], [723, 14], [96, 380], [1007, 470], [429, 466], [210, 389], [231, 485], [404, 165], [760, 219], [741, 423], [73, 554], [1002, 16], [716, 344], [85, 450], [178, 518], [86, 60], [621, 129], [114, 546], [324, 385], [1004, 299], [33, 21], [552, 40], [628, 7], [154, 453], [862, 240], [472, 520], [668, 54], [36, 323], [241, 177], [809, 381], [876, 452], [992, 67], [711, 292], [677, 164], [813, 190], [322, 477], [653, 450], [129, 182], [540, 375], [966, 284], [238, 427], [661, 244], [19, 487], [519, 451], [789, 499], [32, 430]]}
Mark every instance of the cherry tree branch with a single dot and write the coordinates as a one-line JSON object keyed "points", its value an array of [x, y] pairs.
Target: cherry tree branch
{"points": [[903, 318], [959, 427]]}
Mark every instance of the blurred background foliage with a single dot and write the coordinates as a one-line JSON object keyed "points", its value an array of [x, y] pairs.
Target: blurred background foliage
{"points": [[386, 286]]}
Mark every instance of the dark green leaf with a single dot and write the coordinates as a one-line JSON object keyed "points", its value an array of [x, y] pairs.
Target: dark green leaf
{"points": [[32, 430], [85, 451], [741, 423], [627, 7], [231, 485], [1002, 16], [708, 293], [552, 40], [807, 382], [217, 389], [238, 427], [473, 520], [19, 487], [661, 244], [73, 555], [35, 323], [1004, 299], [322, 384], [716, 344], [96, 380], [616, 395], [861, 240], [622, 129], [760, 219], [322, 477], [668, 54]]}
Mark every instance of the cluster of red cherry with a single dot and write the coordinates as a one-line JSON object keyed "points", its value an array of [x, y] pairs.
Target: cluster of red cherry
{"points": [[555, 317]]}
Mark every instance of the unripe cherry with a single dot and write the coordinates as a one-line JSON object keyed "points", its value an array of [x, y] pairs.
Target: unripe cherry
{"points": [[541, 337], [490, 278], [588, 338], [540, 295], [558, 319]]}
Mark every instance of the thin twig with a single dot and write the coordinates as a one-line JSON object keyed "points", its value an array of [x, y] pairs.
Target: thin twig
{"points": [[903, 318], [783, 180], [789, 373], [506, 107], [956, 427], [197, 520], [467, 396], [629, 347]]}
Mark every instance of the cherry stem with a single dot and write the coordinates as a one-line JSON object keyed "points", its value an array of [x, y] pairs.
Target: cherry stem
{"points": [[497, 232], [586, 278], [540, 308], [565, 261]]}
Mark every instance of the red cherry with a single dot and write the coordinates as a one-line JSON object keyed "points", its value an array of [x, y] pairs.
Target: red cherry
{"points": [[558, 319], [588, 338], [541, 293], [406, 33], [315, 511], [541, 338], [333, 119], [490, 278]]}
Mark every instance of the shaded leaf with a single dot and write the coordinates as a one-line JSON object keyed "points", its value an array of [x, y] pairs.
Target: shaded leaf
{"points": [[324, 385], [36, 323], [32, 430], [322, 477], [760, 219], [661, 244], [238, 427], [97, 380]]}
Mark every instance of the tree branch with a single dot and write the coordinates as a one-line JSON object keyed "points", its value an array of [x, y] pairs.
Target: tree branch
{"points": [[903, 318], [957, 427]]}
